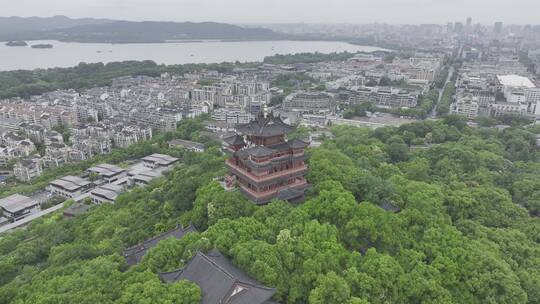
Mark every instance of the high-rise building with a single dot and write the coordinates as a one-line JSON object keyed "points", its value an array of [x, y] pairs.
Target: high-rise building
{"points": [[458, 27], [469, 22], [264, 164], [450, 27], [498, 27]]}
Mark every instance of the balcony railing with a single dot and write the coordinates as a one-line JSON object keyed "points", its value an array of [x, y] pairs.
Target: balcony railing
{"points": [[258, 179], [259, 196], [274, 162]]}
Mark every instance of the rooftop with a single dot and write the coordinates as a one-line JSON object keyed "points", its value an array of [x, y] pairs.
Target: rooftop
{"points": [[265, 126], [106, 170], [134, 255], [109, 192], [70, 183], [148, 175], [16, 202], [220, 281], [261, 151], [515, 81], [161, 159], [235, 140]]}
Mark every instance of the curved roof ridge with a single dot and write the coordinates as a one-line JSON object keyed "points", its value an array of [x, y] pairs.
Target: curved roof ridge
{"points": [[142, 246], [236, 280], [175, 274], [256, 285], [207, 257]]}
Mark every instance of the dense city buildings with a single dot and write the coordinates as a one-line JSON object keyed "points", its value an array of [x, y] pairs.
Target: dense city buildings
{"points": [[65, 126], [495, 89]]}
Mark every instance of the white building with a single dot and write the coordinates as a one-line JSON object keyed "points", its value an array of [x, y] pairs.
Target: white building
{"points": [[17, 206], [502, 108], [466, 106], [522, 96], [159, 161], [144, 178], [106, 193], [309, 103], [28, 169], [69, 186], [232, 115], [108, 173]]}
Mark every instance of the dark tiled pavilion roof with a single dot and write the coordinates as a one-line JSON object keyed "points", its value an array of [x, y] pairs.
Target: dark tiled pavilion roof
{"points": [[220, 281], [235, 140], [265, 127], [134, 255]]}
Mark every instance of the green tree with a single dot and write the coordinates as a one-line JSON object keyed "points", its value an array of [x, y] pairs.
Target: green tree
{"points": [[330, 289]]}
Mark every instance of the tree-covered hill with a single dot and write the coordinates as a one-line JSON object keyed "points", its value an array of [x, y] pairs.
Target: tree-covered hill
{"points": [[154, 31], [467, 230], [16, 28], [117, 31]]}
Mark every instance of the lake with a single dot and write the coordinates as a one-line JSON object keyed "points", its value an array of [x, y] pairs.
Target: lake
{"points": [[70, 54]]}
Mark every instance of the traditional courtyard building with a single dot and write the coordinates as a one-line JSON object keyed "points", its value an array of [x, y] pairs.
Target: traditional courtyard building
{"points": [[264, 164], [220, 280]]}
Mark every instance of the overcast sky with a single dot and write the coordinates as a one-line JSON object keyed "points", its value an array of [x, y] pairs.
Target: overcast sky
{"points": [[279, 11]]}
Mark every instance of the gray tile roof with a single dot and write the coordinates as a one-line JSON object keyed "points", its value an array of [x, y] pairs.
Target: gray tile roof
{"points": [[70, 183], [259, 151], [297, 144], [109, 191], [106, 170], [235, 140], [134, 255], [16, 202], [160, 159], [220, 281], [269, 126]]}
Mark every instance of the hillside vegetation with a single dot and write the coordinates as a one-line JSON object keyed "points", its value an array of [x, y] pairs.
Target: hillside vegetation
{"points": [[467, 230]]}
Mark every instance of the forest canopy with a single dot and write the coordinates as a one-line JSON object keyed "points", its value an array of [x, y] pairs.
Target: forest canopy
{"points": [[430, 212]]}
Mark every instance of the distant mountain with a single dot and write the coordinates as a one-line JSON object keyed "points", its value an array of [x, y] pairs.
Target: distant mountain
{"points": [[111, 31], [149, 31], [11, 28]]}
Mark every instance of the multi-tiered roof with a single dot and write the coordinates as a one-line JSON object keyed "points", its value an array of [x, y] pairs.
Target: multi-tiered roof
{"points": [[265, 126], [265, 164]]}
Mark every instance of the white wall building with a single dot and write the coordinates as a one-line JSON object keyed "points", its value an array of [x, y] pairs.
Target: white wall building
{"points": [[466, 106]]}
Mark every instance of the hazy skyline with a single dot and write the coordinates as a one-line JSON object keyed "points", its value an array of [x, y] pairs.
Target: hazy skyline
{"points": [[285, 11]]}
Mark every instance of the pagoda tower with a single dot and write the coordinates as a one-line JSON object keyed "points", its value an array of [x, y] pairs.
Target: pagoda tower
{"points": [[264, 164]]}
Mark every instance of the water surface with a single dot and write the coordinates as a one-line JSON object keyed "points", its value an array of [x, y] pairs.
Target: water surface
{"points": [[70, 54]]}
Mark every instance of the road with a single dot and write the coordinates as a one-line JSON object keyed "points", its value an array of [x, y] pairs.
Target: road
{"points": [[441, 91], [30, 218], [43, 195]]}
